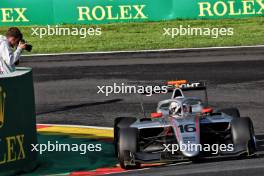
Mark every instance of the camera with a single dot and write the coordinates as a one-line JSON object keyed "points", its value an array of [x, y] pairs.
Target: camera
{"points": [[28, 47]]}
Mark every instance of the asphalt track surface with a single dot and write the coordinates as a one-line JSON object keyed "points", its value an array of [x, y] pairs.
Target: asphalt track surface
{"points": [[66, 93]]}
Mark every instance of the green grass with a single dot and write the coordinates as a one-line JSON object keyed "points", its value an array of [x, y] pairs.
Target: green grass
{"points": [[148, 35]]}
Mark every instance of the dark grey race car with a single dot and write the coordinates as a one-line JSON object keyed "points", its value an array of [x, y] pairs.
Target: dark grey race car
{"points": [[182, 120]]}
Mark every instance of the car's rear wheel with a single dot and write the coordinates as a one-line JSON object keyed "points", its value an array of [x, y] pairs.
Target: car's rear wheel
{"points": [[127, 146], [243, 136]]}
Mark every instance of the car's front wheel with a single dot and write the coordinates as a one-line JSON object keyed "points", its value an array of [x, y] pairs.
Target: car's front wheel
{"points": [[127, 146], [243, 136], [121, 122]]}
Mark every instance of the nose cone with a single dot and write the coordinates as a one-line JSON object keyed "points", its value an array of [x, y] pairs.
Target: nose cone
{"points": [[188, 135]]}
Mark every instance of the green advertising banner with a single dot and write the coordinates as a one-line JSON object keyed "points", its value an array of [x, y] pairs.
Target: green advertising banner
{"points": [[51, 12], [17, 122]]}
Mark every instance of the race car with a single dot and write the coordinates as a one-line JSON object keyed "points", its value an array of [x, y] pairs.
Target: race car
{"points": [[182, 121]]}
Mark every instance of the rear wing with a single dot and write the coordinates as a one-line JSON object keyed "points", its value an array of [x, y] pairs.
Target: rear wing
{"points": [[184, 85]]}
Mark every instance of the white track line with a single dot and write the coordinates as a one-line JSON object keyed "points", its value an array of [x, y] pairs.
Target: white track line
{"points": [[181, 163], [143, 51], [76, 126]]}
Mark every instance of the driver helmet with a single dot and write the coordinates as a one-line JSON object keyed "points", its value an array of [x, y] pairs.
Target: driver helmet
{"points": [[175, 108]]}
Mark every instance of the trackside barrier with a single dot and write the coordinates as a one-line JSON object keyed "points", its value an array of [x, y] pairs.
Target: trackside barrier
{"points": [[17, 122], [52, 12]]}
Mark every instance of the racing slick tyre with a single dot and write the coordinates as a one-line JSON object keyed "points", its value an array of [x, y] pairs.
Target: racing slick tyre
{"points": [[127, 146], [243, 136], [234, 112], [121, 122]]}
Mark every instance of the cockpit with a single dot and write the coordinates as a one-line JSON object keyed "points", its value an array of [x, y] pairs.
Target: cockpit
{"points": [[180, 106]]}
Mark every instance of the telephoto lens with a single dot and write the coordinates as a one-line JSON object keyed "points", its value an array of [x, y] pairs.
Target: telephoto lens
{"points": [[28, 46]]}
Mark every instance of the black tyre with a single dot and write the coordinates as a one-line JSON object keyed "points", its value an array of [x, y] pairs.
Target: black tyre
{"points": [[121, 122], [127, 146], [234, 112], [243, 136]]}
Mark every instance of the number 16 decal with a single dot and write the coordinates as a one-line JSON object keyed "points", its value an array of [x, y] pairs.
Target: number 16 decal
{"points": [[187, 128]]}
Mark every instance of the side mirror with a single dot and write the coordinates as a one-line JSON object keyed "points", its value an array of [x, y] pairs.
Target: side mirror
{"points": [[156, 115]]}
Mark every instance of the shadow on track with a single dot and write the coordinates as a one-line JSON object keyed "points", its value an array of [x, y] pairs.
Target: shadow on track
{"points": [[70, 107], [258, 154]]}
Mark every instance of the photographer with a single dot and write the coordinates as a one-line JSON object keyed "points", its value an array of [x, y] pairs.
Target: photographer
{"points": [[11, 47]]}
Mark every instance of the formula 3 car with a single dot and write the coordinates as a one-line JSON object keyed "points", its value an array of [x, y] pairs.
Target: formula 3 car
{"points": [[182, 121]]}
